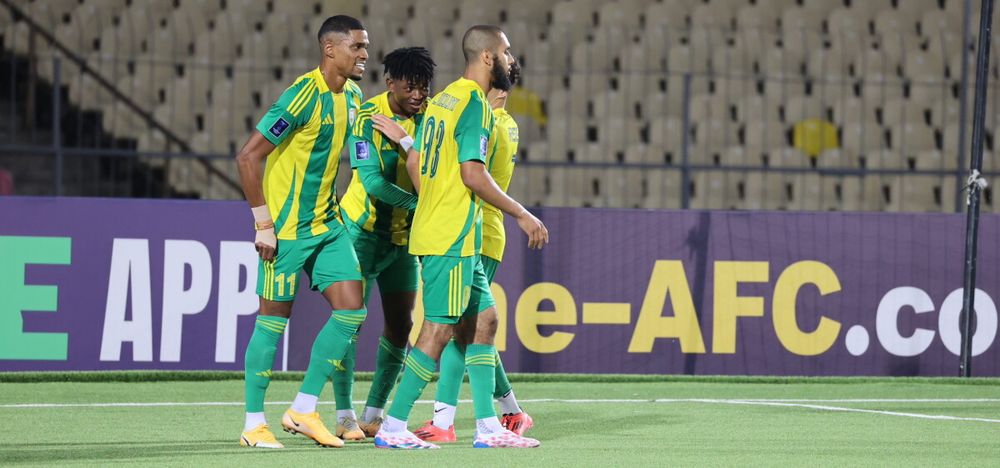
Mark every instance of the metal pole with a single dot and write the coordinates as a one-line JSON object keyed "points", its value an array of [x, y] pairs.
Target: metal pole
{"points": [[963, 98], [685, 137], [972, 216], [57, 125]]}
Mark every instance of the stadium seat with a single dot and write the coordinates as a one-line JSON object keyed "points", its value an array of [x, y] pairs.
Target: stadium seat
{"points": [[782, 61], [787, 157], [777, 5], [849, 43], [731, 61], [621, 15], [762, 136], [750, 17], [764, 191], [828, 64], [712, 15], [755, 42], [851, 110], [447, 54], [931, 95], [885, 159], [919, 193], [758, 108], [732, 88], [663, 189], [872, 63], [681, 59], [876, 91], [847, 20], [899, 111], [836, 158], [924, 67], [562, 134], [933, 160], [782, 88], [799, 108], [861, 193], [711, 138], [585, 83], [911, 137], [898, 47], [121, 121], [807, 192], [709, 106], [890, 21], [711, 189], [739, 156], [934, 22], [797, 20], [667, 134], [859, 139]]}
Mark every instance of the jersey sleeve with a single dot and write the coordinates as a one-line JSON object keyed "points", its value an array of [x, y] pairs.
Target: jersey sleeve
{"points": [[472, 132], [363, 150], [287, 113]]}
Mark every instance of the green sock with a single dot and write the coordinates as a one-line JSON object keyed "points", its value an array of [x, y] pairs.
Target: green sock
{"points": [[419, 370], [330, 347], [480, 359], [343, 378], [259, 359], [388, 364], [502, 383], [452, 373]]}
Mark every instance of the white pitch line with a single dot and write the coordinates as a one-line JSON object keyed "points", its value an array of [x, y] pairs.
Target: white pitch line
{"points": [[749, 401], [851, 410]]}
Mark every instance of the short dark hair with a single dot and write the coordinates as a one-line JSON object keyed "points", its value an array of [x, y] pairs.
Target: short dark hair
{"points": [[413, 64], [339, 23], [479, 38]]}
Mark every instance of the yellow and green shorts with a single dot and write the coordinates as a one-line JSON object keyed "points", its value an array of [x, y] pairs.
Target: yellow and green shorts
{"points": [[453, 287], [327, 258]]}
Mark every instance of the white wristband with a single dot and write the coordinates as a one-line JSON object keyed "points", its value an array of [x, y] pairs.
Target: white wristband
{"points": [[261, 214], [406, 143]]}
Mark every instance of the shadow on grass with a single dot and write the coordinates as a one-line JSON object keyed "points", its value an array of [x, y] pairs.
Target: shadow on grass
{"points": [[48, 452]]}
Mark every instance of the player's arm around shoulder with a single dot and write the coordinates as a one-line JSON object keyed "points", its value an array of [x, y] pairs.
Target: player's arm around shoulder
{"points": [[398, 135]]}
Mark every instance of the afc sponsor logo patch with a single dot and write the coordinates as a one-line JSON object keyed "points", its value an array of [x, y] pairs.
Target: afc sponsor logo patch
{"points": [[361, 149], [512, 134], [279, 127], [484, 145]]}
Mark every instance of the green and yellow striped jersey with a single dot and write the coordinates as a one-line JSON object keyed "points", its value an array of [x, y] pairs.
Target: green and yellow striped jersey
{"points": [[456, 129], [309, 126], [503, 150], [376, 150]]}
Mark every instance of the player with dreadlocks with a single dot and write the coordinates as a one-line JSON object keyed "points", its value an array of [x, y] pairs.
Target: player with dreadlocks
{"points": [[377, 209]]}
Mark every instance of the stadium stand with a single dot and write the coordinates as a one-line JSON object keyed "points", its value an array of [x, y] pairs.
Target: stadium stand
{"points": [[604, 121]]}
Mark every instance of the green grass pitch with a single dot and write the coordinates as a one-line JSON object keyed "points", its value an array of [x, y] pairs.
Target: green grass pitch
{"points": [[604, 422]]}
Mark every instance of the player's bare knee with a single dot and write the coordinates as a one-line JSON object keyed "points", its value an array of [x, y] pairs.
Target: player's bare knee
{"points": [[270, 308], [433, 338], [397, 332], [486, 326]]}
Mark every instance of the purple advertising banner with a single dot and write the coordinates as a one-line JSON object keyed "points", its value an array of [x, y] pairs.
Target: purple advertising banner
{"points": [[90, 284]]}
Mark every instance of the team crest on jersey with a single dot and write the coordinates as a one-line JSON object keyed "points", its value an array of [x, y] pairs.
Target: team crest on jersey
{"points": [[484, 145], [351, 114], [361, 149], [279, 127]]}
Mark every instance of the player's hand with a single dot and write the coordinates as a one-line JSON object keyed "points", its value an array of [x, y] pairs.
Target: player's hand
{"points": [[538, 235], [266, 243], [389, 128]]}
